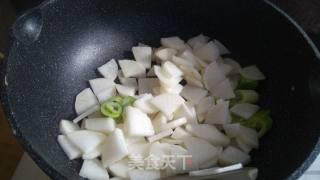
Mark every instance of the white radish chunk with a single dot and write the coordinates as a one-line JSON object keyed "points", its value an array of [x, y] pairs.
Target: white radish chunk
{"points": [[140, 149], [232, 155], [165, 54], [192, 72], [137, 123], [131, 82], [86, 113], [179, 157], [171, 141], [213, 75], [200, 150], [173, 89], [120, 169], [202, 39], [245, 134], [132, 68], [146, 84], [71, 150], [134, 140], [193, 94], [181, 61], [232, 130], [106, 94], [174, 124], [209, 133], [222, 48], [86, 140], [204, 105], [223, 90], [104, 125], [187, 112], [160, 150], [219, 113], [225, 68], [171, 69], [136, 174], [180, 133], [125, 90], [99, 85], [164, 78], [93, 154], [85, 100], [109, 70], [114, 148], [143, 55], [92, 169], [66, 127], [209, 52], [159, 121], [143, 103], [252, 72], [151, 72], [188, 56], [167, 103], [160, 135], [243, 146], [173, 42], [244, 110], [193, 81], [234, 64]]}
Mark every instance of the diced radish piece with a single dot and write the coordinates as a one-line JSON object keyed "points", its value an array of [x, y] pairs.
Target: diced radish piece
{"points": [[193, 94], [171, 69], [164, 78], [92, 169], [218, 114], [106, 94], [136, 174], [173, 42], [132, 68], [222, 49], [114, 149], [225, 68], [181, 61], [232, 155], [131, 82], [174, 124], [244, 110], [86, 140], [66, 126], [71, 150], [213, 75], [188, 55], [99, 85], [109, 70], [137, 122], [234, 80], [134, 140], [85, 100], [93, 154], [173, 89], [187, 112], [179, 158], [167, 103], [180, 133], [87, 113], [198, 39], [146, 84], [120, 169], [143, 55], [193, 81], [160, 149], [243, 146], [232, 130], [140, 149], [209, 133], [143, 103], [245, 134], [223, 90], [217, 171], [200, 150], [171, 141], [190, 71], [125, 90], [209, 52], [165, 54], [160, 135], [234, 64], [159, 121], [252, 72], [104, 125], [204, 105]]}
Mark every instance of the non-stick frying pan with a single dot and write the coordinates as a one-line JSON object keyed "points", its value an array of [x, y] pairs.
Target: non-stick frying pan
{"points": [[59, 44]]}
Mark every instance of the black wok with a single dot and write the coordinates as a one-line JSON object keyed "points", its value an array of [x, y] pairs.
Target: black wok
{"points": [[59, 44]]}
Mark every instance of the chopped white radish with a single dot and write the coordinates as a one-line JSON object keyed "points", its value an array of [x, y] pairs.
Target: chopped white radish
{"points": [[143, 103], [125, 90], [173, 42], [71, 150], [164, 78], [200, 150], [132, 68], [225, 68], [159, 121], [160, 150], [92, 169], [188, 56], [222, 49], [172, 89], [104, 125], [66, 126], [193, 81], [137, 122], [143, 55], [244, 110], [85, 100], [174, 124], [165, 54], [234, 64], [232, 130], [223, 90], [146, 84], [252, 72], [209, 133], [134, 140], [193, 94], [234, 80], [218, 114], [160, 135], [87, 113], [114, 148], [198, 39], [93, 154], [109, 70], [213, 75], [190, 71], [180, 133], [179, 161], [187, 112], [137, 174], [181, 61], [217, 171], [106, 94], [245, 134], [171, 69], [131, 82], [167, 103], [243, 146], [204, 105], [86, 140], [151, 72], [232, 155], [171, 141], [209, 52], [99, 85], [138, 149], [120, 169]]}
